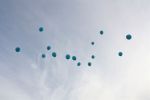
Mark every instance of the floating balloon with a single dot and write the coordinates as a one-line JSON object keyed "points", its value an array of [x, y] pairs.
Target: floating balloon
{"points": [[78, 64], [43, 55], [120, 54], [92, 56], [17, 49], [41, 29], [92, 43], [48, 47], [128, 37], [74, 58], [89, 64], [67, 56], [54, 54], [101, 32]]}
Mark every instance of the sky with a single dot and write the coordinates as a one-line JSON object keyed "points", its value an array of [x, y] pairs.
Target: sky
{"points": [[69, 28]]}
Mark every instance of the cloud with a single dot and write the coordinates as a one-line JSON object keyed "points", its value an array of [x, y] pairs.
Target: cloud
{"points": [[69, 27]]}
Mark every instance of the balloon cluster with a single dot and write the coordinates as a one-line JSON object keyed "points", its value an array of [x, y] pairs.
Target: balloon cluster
{"points": [[68, 56]]}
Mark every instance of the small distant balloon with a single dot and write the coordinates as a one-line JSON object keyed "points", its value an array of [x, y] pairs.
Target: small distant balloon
{"points": [[74, 58], [43, 55], [48, 47], [93, 57], [92, 43], [89, 64], [128, 37], [79, 64], [120, 54], [101, 32], [67, 56], [41, 29], [17, 49], [54, 54]]}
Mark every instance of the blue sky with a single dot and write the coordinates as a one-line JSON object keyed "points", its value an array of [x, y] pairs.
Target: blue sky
{"points": [[69, 27]]}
